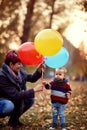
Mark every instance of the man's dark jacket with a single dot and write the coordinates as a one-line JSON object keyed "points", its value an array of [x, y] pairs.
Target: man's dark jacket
{"points": [[10, 89]]}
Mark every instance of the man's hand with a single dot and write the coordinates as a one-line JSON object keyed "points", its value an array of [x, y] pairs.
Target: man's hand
{"points": [[39, 88], [41, 67]]}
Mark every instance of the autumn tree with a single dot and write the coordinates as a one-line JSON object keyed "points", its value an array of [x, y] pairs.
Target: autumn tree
{"points": [[21, 21]]}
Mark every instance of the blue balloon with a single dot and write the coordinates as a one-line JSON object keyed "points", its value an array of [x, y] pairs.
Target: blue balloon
{"points": [[58, 60]]}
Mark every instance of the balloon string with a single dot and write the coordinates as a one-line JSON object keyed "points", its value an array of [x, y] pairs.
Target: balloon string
{"points": [[42, 74], [41, 95]]}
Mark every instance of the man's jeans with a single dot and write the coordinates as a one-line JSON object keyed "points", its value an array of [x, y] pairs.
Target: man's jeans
{"points": [[6, 107], [58, 109]]}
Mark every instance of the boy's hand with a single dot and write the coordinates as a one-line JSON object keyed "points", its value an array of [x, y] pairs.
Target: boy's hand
{"points": [[68, 95], [44, 82]]}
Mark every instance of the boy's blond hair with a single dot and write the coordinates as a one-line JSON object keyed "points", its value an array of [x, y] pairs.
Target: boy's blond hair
{"points": [[62, 70]]}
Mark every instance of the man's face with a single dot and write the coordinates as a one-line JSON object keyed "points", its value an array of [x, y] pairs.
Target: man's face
{"points": [[16, 67]]}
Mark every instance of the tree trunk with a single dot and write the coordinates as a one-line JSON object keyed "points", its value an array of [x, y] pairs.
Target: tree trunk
{"points": [[52, 13], [27, 21]]}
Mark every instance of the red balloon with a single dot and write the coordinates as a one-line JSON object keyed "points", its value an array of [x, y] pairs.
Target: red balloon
{"points": [[28, 54]]}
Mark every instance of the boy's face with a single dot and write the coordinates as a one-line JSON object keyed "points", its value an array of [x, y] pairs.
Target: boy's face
{"points": [[59, 74]]}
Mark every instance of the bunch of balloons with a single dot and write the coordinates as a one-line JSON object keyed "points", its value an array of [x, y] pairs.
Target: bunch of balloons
{"points": [[47, 47]]}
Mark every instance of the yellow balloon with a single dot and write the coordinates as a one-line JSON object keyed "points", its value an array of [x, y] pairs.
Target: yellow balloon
{"points": [[48, 42]]}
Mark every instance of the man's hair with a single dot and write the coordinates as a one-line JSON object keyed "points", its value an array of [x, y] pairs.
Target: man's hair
{"points": [[11, 56]]}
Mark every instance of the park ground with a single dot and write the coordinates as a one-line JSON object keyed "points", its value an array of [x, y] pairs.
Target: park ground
{"points": [[39, 116]]}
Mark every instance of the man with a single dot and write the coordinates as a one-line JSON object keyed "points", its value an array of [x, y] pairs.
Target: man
{"points": [[14, 98]]}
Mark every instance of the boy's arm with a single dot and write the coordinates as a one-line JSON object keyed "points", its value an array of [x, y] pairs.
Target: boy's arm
{"points": [[47, 85], [68, 95], [69, 92]]}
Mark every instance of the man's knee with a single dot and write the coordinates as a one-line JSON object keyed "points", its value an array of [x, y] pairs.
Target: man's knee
{"points": [[6, 107]]}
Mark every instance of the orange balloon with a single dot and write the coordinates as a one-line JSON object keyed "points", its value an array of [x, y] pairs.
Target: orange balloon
{"points": [[28, 54]]}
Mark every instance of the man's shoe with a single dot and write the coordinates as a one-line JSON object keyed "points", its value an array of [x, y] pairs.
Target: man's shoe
{"points": [[14, 126], [20, 123]]}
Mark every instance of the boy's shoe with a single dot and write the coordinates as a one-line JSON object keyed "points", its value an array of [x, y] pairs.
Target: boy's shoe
{"points": [[63, 128], [51, 128], [54, 126]]}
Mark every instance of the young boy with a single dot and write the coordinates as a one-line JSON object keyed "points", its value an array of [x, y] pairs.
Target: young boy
{"points": [[60, 93]]}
